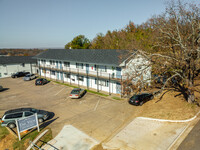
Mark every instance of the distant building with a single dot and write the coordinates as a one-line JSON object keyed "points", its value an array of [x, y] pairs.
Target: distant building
{"points": [[98, 69], [13, 64]]}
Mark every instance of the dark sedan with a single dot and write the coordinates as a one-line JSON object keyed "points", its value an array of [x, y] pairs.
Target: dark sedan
{"points": [[19, 74], [140, 99], [41, 81]]}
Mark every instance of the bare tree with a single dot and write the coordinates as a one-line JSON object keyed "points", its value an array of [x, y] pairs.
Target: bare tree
{"points": [[178, 41]]}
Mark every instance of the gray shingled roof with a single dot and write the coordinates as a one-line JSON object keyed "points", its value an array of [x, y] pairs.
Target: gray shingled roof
{"points": [[97, 56], [16, 59]]}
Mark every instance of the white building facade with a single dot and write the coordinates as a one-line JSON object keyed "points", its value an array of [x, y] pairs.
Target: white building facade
{"points": [[13, 64], [94, 69]]}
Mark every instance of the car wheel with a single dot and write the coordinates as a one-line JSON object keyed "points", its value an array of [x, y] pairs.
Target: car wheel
{"points": [[11, 125], [40, 120], [141, 103]]}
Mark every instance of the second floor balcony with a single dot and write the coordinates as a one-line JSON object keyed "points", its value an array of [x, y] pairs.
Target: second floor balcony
{"points": [[98, 73]]}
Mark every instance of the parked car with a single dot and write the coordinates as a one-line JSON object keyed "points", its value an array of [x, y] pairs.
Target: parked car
{"points": [[140, 99], [29, 77], [19, 74], [41, 81], [10, 116], [1, 88], [77, 93]]}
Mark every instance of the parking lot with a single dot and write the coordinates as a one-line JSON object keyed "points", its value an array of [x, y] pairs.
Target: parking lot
{"points": [[97, 116]]}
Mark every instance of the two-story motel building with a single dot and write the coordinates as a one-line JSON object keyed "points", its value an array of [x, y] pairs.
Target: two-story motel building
{"points": [[98, 69]]}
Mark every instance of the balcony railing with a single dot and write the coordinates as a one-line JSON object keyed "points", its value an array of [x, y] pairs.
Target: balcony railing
{"points": [[99, 73]]}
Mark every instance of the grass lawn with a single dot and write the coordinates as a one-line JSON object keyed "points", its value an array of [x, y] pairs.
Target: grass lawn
{"points": [[8, 141], [3, 132]]}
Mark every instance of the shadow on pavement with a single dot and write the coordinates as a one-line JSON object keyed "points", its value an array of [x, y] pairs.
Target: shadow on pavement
{"points": [[4, 89]]}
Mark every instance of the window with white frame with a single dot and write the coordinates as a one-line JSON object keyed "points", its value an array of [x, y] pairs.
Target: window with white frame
{"points": [[67, 75], [53, 73], [80, 78], [79, 65], [105, 83], [103, 68], [23, 64], [67, 64], [43, 61]]}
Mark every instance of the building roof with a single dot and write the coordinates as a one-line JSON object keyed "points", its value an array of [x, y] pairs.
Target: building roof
{"points": [[97, 56], [16, 59]]}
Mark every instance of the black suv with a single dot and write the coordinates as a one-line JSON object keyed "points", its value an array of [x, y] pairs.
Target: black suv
{"points": [[19, 74], [140, 99], [10, 116]]}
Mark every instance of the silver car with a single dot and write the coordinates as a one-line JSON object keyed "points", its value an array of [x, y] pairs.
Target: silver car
{"points": [[29, 77], [77, 93]]}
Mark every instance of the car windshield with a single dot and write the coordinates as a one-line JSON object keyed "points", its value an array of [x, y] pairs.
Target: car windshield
{"points": [[75, 91], [135, 97], [28, 75]]}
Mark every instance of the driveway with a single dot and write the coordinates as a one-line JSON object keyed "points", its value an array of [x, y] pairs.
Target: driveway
{"points": [[96, 116]]}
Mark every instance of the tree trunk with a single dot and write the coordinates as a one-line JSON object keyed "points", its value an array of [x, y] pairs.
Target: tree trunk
{"points": [[191, 97]]}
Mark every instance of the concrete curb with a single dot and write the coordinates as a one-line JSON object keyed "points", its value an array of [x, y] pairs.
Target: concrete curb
{"points": [[174, 121]]}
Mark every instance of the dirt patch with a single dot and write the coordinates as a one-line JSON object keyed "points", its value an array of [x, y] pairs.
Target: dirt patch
{"points": [[170, 106]]}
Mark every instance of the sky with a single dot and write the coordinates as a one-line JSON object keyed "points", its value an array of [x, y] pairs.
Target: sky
{"points": [[54, 23]]}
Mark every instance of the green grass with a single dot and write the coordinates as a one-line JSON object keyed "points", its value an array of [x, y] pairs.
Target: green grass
{"points": [[47, 137], [97, 93], [3, 132], [116, 98], [20, 145], [90, 91]]}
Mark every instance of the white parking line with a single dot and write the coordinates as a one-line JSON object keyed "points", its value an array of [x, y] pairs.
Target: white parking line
{"points": [[96, 105], [59, 91]]}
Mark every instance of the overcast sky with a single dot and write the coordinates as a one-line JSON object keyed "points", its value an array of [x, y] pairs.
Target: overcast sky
{"points": [[53, 23]]}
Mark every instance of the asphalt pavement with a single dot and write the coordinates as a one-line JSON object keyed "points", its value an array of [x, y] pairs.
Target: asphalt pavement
{"points": [[192, 141]]}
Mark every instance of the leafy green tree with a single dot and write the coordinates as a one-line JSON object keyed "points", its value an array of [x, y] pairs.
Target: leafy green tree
{"points": [[79, 42]]}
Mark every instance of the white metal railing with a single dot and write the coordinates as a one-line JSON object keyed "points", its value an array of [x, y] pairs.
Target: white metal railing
{"points": [[78, 70]]}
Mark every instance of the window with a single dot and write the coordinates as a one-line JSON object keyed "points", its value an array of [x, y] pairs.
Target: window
{"points": [[79, 65], [105, 83], [53, 73], [50, 62], [5, 74], [95, 82], [67, 75], [11, 116], [67, 64], [23, 65], [80, 78], [95, 67], [103, 68], [43, 61], [28, 114]]}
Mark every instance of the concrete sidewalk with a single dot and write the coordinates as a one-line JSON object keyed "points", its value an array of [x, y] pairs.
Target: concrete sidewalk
{"points": [[71, 138], [142, 134]]}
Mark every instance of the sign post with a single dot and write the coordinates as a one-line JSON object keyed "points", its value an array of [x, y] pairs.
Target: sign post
{"points": [[27, 123]]}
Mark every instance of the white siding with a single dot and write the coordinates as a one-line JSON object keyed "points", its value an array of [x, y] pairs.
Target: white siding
{"points": [[7, 70]]}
